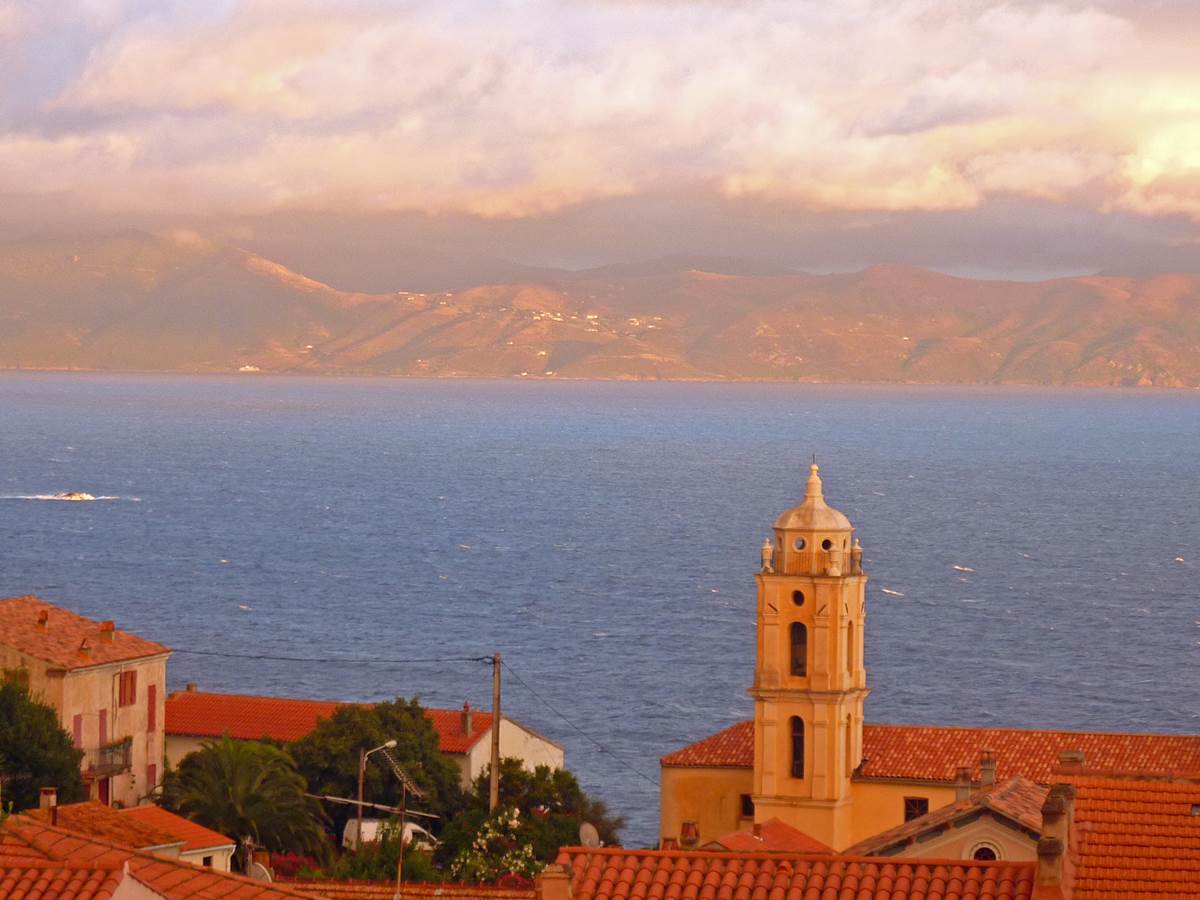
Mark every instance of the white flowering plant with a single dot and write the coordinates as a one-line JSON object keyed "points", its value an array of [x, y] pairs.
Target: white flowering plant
{"points": [[496, 851]]}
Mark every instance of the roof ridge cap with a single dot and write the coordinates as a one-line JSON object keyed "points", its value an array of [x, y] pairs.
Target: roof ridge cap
{"points": [[1027, 730]]}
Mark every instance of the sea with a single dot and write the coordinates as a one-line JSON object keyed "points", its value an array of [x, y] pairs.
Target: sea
{"points": [[1034, 554]]}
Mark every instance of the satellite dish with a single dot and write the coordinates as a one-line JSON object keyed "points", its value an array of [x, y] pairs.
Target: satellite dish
{"points": [[259, 872], [589, 836]]}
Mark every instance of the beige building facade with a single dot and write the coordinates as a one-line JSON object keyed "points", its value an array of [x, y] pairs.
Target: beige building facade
{"points": [[107, 686]]}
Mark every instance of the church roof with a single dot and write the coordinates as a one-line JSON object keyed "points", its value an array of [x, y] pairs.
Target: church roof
{"points": [[934, 752], [617, 874], [771, 836], [814, 514], [1018, 800]]}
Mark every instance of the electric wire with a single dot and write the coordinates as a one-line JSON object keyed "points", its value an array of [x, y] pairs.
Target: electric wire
{"points": [[336, 659], [603, 749]]}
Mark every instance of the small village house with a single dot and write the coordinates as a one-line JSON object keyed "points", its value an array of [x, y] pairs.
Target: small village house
{"points": [[107, 685], [194, 716]]}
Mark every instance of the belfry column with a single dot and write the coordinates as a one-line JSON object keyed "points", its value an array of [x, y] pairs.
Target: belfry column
{"points": [[809, 679]]}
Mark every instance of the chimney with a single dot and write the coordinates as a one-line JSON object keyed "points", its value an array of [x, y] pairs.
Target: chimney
{"points": [[987, 768], [689, 835], [467, 719], [758, 830], [1057, 815], [962, 784], [1071, 759], [106, 631], [43, 619], [85, 649], [191, 687], [554, 883]]}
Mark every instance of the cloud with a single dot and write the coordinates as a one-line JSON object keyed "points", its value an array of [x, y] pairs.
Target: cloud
{"points": [[517, 108]]}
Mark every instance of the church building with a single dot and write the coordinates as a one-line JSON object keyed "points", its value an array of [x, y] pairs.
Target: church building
{"points": [[809, 759]]}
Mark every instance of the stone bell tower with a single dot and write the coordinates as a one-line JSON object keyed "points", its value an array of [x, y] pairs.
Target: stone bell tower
{"points": [[809, 680]]}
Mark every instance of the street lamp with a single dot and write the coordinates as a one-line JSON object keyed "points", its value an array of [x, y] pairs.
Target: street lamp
{"points": [[362, 772]]}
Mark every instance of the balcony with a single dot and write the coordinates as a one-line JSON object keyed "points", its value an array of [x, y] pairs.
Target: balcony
{"points": [[111, 759]]}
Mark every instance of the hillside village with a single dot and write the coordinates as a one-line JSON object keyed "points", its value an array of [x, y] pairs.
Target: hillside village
{"points": [[803, 799]]}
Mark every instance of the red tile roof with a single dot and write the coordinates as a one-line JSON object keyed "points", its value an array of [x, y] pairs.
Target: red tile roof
{"points": [[26, 843], [616, 874], [1018, 800], [386, 890], [249, 717], [933, 753], [193, 835], [41, 879], [1135, 837], [99, 821], [60, 640], [772, 836]]}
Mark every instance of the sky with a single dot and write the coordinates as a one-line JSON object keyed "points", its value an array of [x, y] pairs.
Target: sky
{"points": [[1020, 139]]}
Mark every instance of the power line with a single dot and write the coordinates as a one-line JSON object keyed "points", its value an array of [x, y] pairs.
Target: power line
{"points": [[337, 659], [603, 749]]}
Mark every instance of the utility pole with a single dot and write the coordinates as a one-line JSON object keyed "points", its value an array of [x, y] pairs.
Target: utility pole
{"points": [[362, 772], [494, 786]]}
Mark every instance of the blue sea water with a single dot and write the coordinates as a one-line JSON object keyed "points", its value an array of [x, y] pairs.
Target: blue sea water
{"points": [[604, 536]]}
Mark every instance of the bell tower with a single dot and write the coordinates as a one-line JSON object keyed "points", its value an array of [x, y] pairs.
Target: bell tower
{"points": [[809, 679]]}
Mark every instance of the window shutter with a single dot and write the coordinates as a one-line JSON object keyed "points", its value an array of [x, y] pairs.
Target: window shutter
{"points": [[103, 727], [152, 707], [77, 731]]}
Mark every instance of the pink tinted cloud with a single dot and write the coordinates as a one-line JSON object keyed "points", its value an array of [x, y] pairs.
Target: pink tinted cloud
{"points": [[519, 107]]}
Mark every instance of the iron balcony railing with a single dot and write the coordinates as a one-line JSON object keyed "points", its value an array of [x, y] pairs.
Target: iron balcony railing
{"points": [[111, 759]]}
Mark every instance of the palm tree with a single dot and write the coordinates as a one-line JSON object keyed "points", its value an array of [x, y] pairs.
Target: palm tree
{"points": [[247, 789]]}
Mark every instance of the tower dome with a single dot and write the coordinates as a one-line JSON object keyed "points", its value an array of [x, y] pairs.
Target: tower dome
{"points": [[814, 514]]}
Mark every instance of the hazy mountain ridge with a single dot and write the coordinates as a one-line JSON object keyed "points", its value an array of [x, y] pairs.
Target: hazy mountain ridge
{"points": [[132, 302]]}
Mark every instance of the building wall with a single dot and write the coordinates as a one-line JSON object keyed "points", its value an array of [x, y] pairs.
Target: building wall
{"points": [[180, 745], [879, 805], [515, 741], [709, 797], [87, 692], [222, 858]]}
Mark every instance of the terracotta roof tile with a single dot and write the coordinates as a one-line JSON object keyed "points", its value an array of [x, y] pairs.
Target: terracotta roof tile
{"points": [[385, 890], [1135, 836], [27, 843], [193, 835], [774, 836], [249, 717], [616, 874], [1018, 800], [97, 820], [58, 643], [933, 753], [38, 880]]}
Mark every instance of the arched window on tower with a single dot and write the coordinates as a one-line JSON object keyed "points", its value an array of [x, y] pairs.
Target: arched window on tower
{"points": [[851, 648], [799, 649], [797, 747]]}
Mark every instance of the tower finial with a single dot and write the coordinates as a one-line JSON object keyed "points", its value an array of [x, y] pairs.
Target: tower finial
{"points": [[813, 488]]}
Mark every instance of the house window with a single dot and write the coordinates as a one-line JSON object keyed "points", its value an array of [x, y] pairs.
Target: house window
{"points": [[127, 689], [207, 862], [797, 747], [850, 648], [798, 597], [915, 807], [747, 806], [984, 852], [799, 649], [19, 677], [152, 707]]}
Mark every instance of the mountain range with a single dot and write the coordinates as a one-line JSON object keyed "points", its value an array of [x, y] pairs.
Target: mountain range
{"points": [[136, 302]]}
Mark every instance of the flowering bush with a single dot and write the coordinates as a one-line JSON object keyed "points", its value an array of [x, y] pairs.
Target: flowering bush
{"points": [[496, 851]]}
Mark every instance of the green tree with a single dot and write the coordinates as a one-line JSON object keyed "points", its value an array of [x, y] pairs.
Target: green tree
{"points": [[248, 789], [552, 807], [35, 752], [328, 758]]}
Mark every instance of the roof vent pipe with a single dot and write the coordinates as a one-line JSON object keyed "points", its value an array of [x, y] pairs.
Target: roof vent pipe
{"points": [[962, 784], [467, 719], [987, 768]]}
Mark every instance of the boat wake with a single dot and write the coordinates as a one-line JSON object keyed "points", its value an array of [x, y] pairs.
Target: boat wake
{"points": [[69, 497]]}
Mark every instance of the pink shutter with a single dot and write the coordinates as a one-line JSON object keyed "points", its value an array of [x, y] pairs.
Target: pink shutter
{"points": [[77, 731], [152, 708], [151, 776], [103, 727]]}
